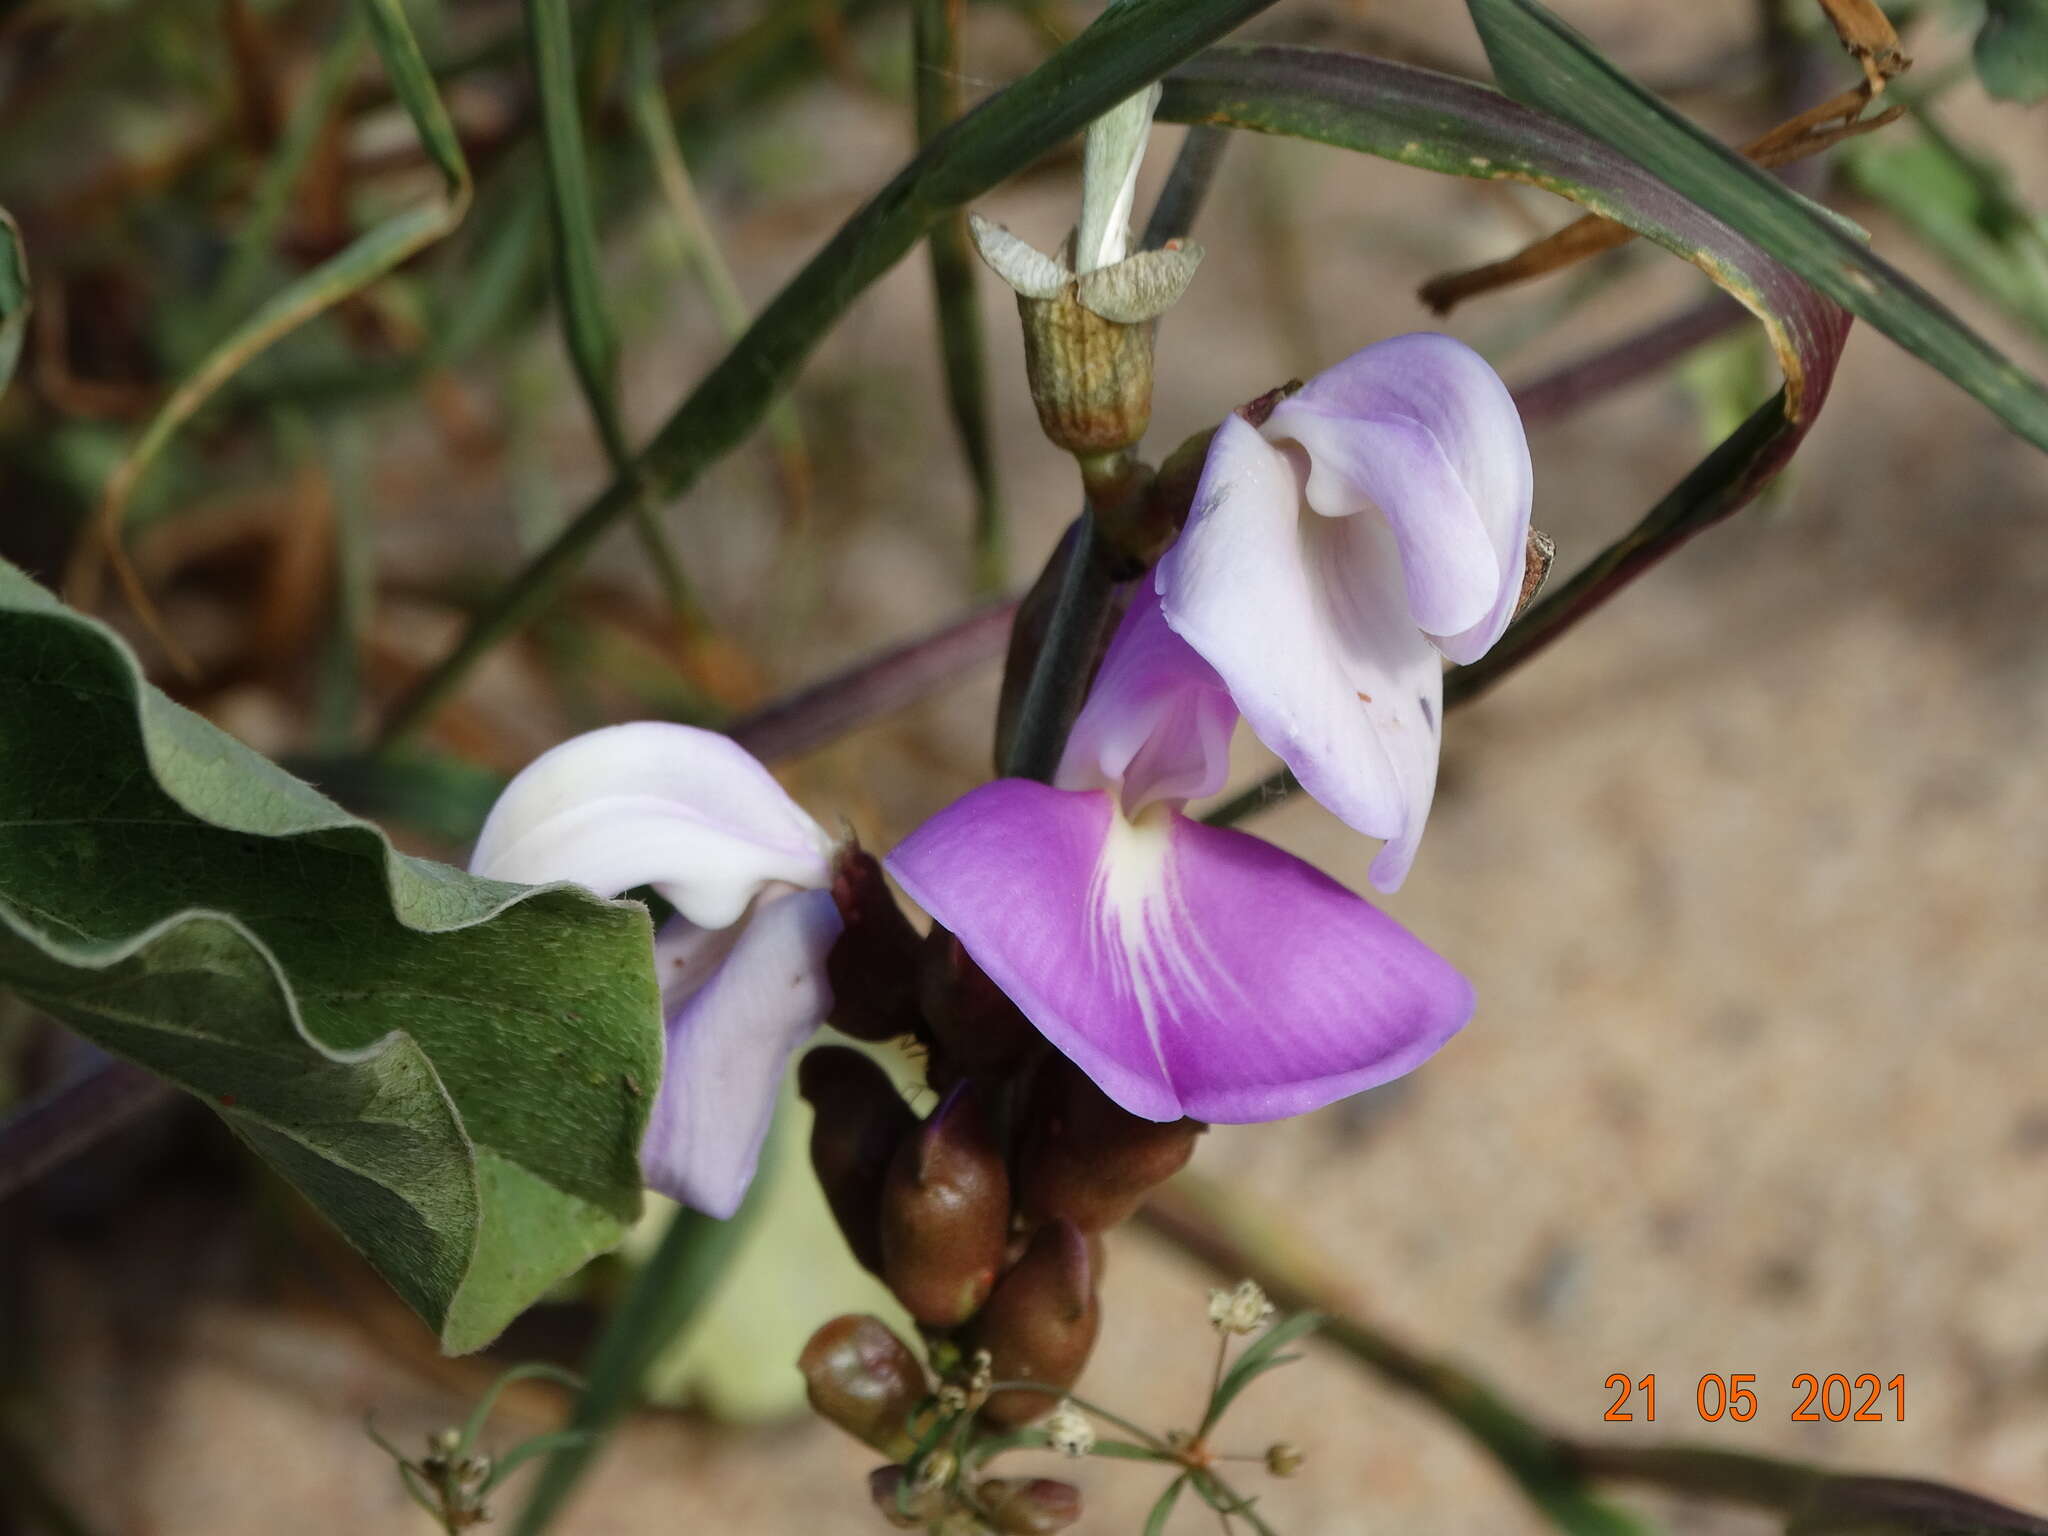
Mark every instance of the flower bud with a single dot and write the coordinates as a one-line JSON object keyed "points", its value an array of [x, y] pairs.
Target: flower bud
{"points": [[860, 1121], [945, 1214], [873, 965], [1039, 1325], [1243, 1309], [978, 1030], [863, 1378], [908, 1509], [1283, 1458], [1090, 1162], [1028, 1506], [1088, 336], [1069, 1431], [1090, 377]]}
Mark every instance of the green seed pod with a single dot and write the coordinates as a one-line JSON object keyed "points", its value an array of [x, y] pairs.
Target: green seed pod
{"points": [[873, 966], [911, 1511], [1090, 1162], [863, 1378], [1028, 1506], [860, 1121], [1039, 1325], [979, 1032], [945, 1214]]}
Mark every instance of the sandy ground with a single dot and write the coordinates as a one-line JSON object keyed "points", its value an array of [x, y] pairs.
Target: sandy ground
{"points": [[1748, 873]]}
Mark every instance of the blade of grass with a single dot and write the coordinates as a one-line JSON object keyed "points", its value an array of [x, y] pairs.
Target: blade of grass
{"points": [[677, 1279], [587, 330], [366, 259], [1961, 205], [1125, 49], [14, 296], [355, 584], [1457, 127], [935, 62], [1541, 60], [649, 109], [257, 238]]}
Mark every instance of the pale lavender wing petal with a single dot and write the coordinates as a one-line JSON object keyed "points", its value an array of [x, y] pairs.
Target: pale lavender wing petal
{"points": [[730, 1037], [1422, 428], [686, 811], [1158, 719], [1188, 970], [1396, 684], [1305, 619]]}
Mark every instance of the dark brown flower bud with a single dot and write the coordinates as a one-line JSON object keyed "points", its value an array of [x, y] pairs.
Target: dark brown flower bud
{"points": [[945, 1213], [1039, 1325], [863, 1378], [1028, 1506], [1089, 1161], [873, 965], [860, 1121], [979, 1032], [907, 1509]]}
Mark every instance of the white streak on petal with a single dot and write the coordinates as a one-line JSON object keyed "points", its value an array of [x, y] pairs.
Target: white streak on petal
{"points": [[732, 1028], [686, 811], [1188, 970]]}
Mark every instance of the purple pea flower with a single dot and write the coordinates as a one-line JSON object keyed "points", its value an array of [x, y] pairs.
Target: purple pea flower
{"points": [[1187, 969], [742, 964], [1376, 522]]}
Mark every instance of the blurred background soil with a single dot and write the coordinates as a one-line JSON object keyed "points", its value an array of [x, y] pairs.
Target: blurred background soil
{"points": [[1749, 872]]}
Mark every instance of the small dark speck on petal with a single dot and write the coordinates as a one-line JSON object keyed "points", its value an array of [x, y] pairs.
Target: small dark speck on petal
{"points": [[1428, 709], [1365, 698]]}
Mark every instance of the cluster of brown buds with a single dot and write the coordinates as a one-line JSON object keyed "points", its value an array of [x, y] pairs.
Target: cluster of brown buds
{"points": [[984, 1218]]}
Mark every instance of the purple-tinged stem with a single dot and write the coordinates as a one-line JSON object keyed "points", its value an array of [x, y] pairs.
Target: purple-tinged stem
{"points": [[70, 1118], [872, 689]]}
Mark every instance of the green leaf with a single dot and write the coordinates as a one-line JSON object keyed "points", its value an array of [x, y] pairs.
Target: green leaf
{"points": [[14, 295], [2011, 52], [1541, 60], [455, 1071], [1162, 1511], [1262, 1355]]}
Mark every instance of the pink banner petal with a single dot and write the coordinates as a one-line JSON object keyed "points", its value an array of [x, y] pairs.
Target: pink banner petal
{"points": [[1188, 970]]}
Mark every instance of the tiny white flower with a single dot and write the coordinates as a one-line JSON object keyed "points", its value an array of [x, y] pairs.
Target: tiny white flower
{"points": [[1069, 1432], [1244, 1309]]}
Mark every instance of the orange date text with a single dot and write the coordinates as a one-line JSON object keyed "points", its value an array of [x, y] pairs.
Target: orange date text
{"points": [[1835, 1398]]}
